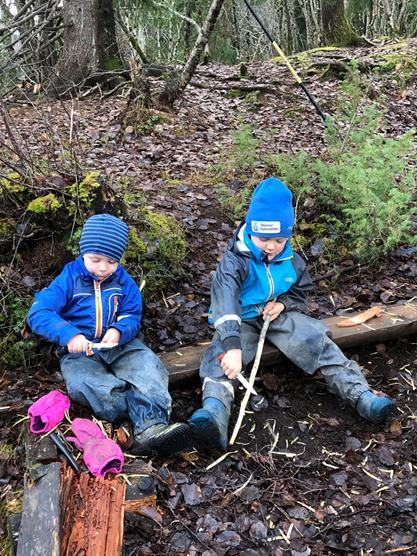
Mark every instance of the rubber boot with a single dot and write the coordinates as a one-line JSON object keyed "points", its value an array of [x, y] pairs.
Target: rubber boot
{"points": [[209, 425], [162, 440], [374, 408]]}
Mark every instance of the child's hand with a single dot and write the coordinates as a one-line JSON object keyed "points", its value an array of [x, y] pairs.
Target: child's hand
{"points": [[231, 363], [273, 308], [78, 344], [112, 336]]}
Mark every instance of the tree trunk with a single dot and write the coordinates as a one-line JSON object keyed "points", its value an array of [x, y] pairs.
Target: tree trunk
{"points": [[176, 85], [336, 27], [187, 27], [314, 31], [89, 43]]}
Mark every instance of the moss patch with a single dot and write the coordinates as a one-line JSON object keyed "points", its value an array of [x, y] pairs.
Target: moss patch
{"points": [[12, 181], [158, 246], [47, 203], [83, 192], [144, 121]]}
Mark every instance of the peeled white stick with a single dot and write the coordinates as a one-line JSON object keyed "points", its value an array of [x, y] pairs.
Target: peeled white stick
{"points": [[102, 345], [251, 379], [246, 384]]}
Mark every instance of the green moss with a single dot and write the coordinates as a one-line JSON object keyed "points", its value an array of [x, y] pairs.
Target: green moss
{"points": [[144, 121], [47, 203], [158, 246], [5, 548], [136, 247], [113, 64], [5, 228], [303, 56], [12, 182], [402, 64], [169, 234], [393, 46], [84, 192]]}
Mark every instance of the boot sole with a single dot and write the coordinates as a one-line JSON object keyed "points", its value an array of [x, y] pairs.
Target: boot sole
{"points": [[172, 442]]}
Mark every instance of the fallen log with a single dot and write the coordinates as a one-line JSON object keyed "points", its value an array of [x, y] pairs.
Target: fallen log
{"points": [[395, 321], [65, 513], [92, 514]]}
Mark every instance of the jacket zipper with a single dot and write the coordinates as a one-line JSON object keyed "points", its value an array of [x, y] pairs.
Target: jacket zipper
{"points": [[99, 310], [270, 281]]}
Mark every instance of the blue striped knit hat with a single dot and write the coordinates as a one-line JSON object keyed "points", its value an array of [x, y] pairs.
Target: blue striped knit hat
{"points": [[106, 235]]}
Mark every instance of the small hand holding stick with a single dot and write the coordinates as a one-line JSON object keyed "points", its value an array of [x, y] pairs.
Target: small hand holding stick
{"points": [[251, 379]]}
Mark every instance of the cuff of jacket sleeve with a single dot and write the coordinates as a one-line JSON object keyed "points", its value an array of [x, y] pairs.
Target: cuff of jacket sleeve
{"points": [[126, 332], [232, 342], [66, 333]]}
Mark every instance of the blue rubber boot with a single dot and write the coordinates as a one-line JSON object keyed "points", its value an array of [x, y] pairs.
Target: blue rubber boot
{"points": [[374, 408], [209, 425]]}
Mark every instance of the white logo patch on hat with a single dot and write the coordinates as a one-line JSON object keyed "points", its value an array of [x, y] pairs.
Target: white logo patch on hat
{"points": [[265, 227]]}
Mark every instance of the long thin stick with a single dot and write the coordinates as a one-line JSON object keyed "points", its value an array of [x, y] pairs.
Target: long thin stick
{"points": [[293, 72], [251, 379]]}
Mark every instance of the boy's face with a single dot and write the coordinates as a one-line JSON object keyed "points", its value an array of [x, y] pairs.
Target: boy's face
{"points": [[271, 246], [99, 265]]}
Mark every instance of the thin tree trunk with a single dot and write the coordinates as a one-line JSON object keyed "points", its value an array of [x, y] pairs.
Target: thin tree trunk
{"points": [[176, 86]]}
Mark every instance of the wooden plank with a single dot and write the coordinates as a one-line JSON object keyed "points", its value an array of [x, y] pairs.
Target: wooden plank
{"points": [[395, 321], [40, 526]]}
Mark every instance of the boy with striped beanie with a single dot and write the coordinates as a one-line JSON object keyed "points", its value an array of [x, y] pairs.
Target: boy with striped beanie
{"points": [[95, 301]]}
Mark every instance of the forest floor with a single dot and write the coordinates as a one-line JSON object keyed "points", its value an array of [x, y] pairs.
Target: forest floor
{"points": [[333, 484]]}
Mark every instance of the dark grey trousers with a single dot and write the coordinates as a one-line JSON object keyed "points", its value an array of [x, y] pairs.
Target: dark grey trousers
{"points": [[304, 340]]}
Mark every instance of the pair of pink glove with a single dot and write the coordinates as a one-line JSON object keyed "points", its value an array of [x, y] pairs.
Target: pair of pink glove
{"points": [[101, 455]]}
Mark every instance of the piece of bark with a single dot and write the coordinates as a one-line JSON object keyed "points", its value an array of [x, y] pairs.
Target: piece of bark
{"points": [[361, 317], [92, 510], [141, 498]]}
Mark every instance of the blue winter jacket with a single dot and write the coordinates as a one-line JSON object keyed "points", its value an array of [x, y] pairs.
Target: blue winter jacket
{"points": [[77, 303], [245, 281]]}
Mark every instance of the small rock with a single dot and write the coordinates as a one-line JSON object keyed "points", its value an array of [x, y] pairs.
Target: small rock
{"points": [[228, 538], [258, 530], [353, 443], [192, 494], [339, 479]]}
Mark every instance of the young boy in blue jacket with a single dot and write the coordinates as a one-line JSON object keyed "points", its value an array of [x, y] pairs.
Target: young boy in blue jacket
{"points": [[258, 275], [95, 300]]}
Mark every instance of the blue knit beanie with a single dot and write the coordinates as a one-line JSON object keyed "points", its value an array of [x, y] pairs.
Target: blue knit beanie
{"points": [[104, 234], [270, 211]]}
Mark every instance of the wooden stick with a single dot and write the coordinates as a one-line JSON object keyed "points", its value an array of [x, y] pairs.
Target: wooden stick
{"points": [[251, 379]]}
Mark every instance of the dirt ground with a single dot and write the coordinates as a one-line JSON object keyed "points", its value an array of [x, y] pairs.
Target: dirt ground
{"points": [[305, 476]]}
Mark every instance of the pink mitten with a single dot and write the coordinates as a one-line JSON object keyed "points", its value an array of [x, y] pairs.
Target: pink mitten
{"points": [[48, 411], [100, 454]]}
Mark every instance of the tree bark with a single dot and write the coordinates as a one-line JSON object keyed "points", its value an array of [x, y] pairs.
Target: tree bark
{"points": [[337, 30], [176, 85], [89, 43]]}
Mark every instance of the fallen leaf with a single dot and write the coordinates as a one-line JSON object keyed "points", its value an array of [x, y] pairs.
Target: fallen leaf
{"points": [[396, 428]]}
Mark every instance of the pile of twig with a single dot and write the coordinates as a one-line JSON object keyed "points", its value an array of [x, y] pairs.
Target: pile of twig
{"points": [[30, 42]]}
